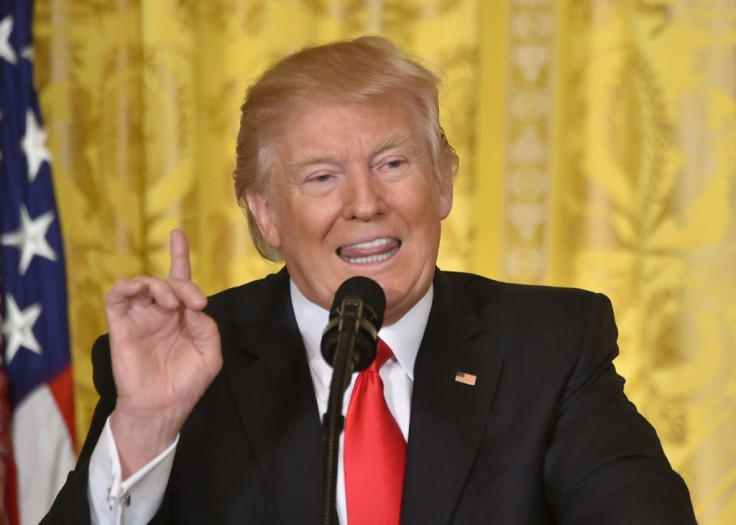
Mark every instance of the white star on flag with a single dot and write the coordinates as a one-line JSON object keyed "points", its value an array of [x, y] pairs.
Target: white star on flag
{"points": [[34, 145], [18, 328], [27, 53], [6, 50], [30, 238]]}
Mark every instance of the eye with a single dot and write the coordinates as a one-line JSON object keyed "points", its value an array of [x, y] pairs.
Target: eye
{"points": [[319, 178], [319, 182], [393, 167]]}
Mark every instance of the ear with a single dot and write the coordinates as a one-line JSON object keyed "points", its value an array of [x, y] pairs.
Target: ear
{"points": [[264, 214], [446, 189]]}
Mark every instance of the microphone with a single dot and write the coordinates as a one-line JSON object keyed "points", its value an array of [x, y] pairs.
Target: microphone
{"points": [[356, 315], [349, 343]]}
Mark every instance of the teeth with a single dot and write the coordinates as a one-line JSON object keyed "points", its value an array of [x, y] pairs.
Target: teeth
{"points": [[371, 244], [370, 258]]}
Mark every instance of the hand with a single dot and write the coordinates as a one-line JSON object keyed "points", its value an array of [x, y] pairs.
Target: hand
{"points": [[165, 353]]}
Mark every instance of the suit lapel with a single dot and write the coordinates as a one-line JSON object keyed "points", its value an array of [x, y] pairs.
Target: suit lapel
{"points": [[448, 417], [269, 377]]}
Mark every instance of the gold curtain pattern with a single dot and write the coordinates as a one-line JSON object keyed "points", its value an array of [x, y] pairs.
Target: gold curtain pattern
{"points": [[598, 149], [646, 165]]}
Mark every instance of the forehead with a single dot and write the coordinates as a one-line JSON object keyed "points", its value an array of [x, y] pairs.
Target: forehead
{"points": [[320, 123]]}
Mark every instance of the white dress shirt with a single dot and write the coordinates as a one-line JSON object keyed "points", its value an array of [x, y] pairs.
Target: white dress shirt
{"points": [[114, 501]]}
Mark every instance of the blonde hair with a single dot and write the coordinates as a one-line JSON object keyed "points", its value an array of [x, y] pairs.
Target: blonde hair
{"points": [[357, 70]]}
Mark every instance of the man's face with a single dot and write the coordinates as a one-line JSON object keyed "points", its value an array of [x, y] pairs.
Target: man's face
{"points": [[353, 192]]}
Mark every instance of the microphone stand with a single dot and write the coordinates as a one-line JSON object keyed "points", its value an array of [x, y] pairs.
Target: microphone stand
{"points": [[334, 421], [348, 343]]}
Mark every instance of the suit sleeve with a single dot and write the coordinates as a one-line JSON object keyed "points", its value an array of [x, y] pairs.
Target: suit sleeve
{"points": [[605, 464], [71, 505]]}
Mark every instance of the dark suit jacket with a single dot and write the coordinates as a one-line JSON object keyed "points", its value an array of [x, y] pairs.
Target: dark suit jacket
{"points": [[546, 435]]}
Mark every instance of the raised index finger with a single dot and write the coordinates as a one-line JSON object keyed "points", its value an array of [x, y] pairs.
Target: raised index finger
{"points": [[179, 248]]}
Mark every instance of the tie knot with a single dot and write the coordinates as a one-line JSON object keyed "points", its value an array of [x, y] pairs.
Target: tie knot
{"points": [[383, 354]]}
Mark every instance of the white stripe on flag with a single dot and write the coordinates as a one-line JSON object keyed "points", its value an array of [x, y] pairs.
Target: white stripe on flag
{"points": [[43, 453]]}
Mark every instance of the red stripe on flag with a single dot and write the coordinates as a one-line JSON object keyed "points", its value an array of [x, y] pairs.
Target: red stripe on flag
{"points": [[8, 474], [62, 389], [12, 492]]}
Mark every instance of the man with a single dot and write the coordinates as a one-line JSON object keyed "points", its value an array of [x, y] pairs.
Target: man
{"points": [[506, 395]]}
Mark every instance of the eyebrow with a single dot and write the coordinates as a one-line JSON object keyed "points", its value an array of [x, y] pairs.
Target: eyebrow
{"points": [[317, 158], [393, 141]]}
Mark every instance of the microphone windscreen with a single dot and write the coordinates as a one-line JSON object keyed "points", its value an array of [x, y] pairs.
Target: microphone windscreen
{"points": [[368, 290]]}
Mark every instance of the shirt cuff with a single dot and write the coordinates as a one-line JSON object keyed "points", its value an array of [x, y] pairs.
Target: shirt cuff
{"points": [[113, 501]]}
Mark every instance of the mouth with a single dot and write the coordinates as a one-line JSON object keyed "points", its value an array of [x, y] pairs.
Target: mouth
{"points": [[377, 250]]}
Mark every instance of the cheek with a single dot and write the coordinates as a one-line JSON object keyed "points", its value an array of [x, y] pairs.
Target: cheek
{"points": [[427, 207], [308, 225]]}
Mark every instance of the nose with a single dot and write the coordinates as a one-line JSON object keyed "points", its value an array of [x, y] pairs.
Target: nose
{"points": [[363, 195]]}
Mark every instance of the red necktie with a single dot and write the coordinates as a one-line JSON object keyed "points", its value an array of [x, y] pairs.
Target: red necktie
{"points": [[375, 451]]}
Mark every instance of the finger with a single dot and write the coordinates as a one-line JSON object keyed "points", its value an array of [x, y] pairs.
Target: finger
{"points": [[159, 291], [189, 294], [117, 300], [145, 290], [179, 248], [122, 291]]}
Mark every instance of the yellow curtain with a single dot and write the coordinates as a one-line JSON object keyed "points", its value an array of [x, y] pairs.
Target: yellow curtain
{"points": [[646, 210], [597, 142], [611, 137]]}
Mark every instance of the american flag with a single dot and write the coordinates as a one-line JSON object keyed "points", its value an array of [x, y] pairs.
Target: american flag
{"points": [[35, 375]]}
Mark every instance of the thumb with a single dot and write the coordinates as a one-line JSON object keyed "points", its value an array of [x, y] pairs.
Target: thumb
{"points": [[201, 327]]}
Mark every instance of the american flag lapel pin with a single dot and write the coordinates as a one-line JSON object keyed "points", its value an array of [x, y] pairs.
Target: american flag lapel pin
{"points": [[465, 378]]}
